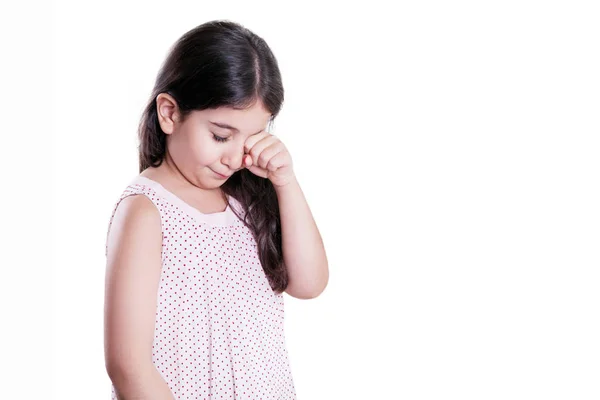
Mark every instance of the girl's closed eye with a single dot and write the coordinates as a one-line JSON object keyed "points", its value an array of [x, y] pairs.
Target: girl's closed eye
{"points": [[219, 138]]}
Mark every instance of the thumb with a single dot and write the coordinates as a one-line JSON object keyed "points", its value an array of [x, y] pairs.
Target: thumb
{"points": [[247, 160]]}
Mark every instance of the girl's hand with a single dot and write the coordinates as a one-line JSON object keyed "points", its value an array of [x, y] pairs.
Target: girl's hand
{"points": [[266, 156]]}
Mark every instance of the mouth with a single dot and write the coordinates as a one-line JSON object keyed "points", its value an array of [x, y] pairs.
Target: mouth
{"points": [[221, 175]]}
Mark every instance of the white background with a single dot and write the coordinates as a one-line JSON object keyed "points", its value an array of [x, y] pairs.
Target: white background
{"points": [[448, 151]]}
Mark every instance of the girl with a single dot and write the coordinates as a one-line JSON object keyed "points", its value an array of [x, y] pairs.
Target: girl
{"points": [[203, 243]]}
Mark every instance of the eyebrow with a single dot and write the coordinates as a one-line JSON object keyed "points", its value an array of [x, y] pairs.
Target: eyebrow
{"points": [[232, 128]]}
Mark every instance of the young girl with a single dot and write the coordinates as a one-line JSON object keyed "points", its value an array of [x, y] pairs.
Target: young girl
{"points": [[203, 243]]}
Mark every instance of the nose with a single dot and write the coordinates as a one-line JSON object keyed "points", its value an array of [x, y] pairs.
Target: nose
{"points": [[235, 159]]}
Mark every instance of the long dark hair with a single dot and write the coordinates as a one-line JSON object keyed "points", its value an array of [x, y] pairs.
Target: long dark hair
{"points": [[222, 63]]}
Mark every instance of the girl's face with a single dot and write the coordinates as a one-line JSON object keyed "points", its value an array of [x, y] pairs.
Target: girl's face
{"points": [[210, 142]]}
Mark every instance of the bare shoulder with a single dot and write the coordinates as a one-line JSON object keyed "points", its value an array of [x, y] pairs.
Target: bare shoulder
{"points": [[135, 210], [136, 220]]}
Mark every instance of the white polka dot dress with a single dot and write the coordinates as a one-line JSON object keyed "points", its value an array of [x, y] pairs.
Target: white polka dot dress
{"points": [[219, 327]]}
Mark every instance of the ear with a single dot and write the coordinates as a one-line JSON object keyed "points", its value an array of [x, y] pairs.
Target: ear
{"points": [[168, 113]]}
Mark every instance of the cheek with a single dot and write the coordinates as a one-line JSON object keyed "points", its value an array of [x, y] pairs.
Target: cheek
{"points": [[203, 149], [193, 149]]}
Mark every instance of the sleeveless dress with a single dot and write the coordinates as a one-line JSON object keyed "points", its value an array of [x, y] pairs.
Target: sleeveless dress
{"points": [[219, 327]]}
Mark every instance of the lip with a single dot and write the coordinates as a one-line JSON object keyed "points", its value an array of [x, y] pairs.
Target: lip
{"points": [[221, 175]]}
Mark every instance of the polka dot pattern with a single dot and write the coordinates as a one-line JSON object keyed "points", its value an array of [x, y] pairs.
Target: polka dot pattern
{"points": [[219, 327]]}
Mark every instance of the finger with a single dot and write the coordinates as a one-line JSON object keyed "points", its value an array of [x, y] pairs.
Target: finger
{"points": [[256, 150], [277, 161], [267, 154], [258, 171], [246, 160], [252, 140]]}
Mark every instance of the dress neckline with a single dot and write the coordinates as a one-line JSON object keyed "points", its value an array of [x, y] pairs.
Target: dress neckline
{"points": [[217, 218]]}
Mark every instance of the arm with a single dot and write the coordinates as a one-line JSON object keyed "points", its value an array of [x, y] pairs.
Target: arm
{"points": [[303, 250], [132, 277], [140, 383]]}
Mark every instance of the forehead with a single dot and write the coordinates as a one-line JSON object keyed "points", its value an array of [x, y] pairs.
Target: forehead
{"points": [[246, 118]]}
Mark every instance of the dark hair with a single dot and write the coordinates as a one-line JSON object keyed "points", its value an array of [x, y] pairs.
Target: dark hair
{"points": [[222, 63]]}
